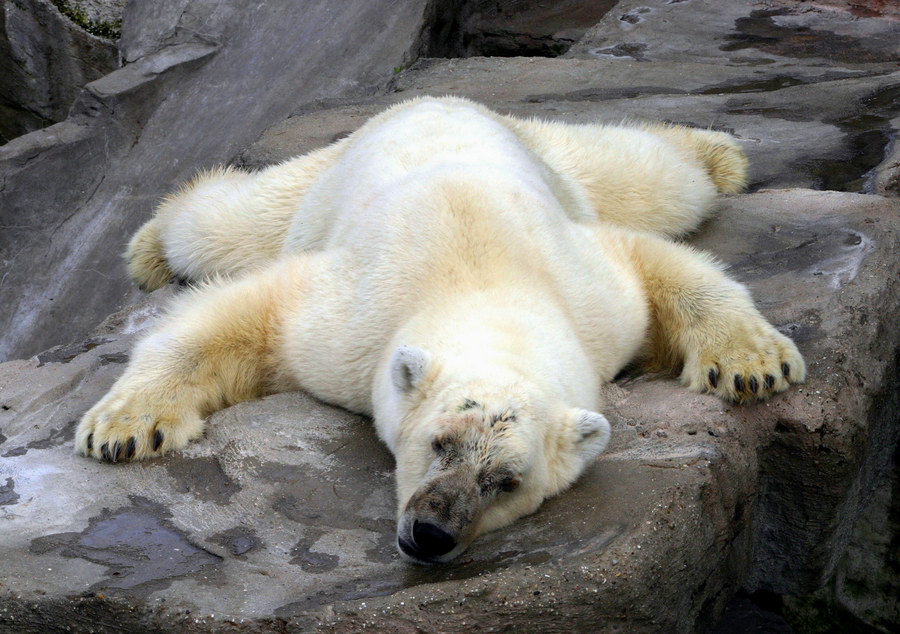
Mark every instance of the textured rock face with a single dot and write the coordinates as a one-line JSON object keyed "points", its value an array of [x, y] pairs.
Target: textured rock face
{"points": [[867, 583], [45, 59], [282, 515], [99, 13]]}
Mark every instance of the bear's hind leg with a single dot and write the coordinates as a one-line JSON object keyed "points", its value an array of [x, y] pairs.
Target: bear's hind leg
{"points": [[707, 324], [657, 178], [147, 264], [224, 222], [718, 152]]}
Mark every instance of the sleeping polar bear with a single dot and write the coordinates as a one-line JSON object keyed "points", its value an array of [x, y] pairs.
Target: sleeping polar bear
{"points": [[468, 279]]}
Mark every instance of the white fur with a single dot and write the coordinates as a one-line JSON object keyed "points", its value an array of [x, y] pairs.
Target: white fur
{"points": [[464, 277]]}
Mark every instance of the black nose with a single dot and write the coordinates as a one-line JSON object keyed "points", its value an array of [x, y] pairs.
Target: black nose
{"points": [[431, 540]]}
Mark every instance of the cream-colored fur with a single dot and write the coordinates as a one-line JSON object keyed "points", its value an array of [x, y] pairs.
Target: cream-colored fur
{"points": [[468, 279]]}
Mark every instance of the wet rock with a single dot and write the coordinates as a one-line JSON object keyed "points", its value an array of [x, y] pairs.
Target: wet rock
{"points": [[8, 493], [137, 544], [886, 177], [204, 478], [774, 34], [238, 540]]}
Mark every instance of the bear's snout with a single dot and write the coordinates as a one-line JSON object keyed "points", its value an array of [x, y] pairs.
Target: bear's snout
{"points": [[433, 540], [429, 542], [438, 516]]}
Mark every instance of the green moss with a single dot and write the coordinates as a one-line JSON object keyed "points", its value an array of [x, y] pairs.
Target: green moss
{"points": [[109, 30], [819, 613]]}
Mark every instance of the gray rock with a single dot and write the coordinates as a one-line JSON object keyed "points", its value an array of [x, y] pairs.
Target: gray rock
{"points": [[45, 59], [282, 516], [867, 584], [775, 34], [100, 12], [820, 133], [886, 177]]}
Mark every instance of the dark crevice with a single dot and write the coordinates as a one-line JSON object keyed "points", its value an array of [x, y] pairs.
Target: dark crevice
{"points": [[510, 28]]}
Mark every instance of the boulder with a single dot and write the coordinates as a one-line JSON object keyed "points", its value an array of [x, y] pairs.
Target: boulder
{"points": [[282, 516]]}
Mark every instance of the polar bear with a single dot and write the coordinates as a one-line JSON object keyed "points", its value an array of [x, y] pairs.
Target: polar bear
{"points": [[466, 278]]}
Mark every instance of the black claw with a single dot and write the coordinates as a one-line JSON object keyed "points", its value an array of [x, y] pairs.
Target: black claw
{"points": [[770, 381], [785, 369], [90, 441], [129, 448], [738, 383], [157, 440], [104, 451], [754, 384], [117, 448], [714, 377]]}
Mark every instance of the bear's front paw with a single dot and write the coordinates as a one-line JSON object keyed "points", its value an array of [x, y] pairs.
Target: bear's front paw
{"points": [[127, 426], [744, 360]]}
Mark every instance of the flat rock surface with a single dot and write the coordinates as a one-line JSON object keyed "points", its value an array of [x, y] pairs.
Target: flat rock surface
{"points": [[282, 516], [284, 511]]}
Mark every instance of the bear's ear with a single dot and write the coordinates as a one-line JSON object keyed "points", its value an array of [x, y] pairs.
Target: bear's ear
{"points": [[591, 434], [408, 365]]}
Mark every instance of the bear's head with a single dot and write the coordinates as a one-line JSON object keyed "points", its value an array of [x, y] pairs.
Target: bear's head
{"points": [[475, 456]]}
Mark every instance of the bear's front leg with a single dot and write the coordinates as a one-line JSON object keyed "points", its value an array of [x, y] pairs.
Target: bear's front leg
{"points": [[707, 323], [213, 349], [153, 408]]}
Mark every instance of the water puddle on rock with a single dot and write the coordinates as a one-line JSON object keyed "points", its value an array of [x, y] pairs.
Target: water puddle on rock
{"points": [[830, 250], [54, 438], [869, 133], [8, 493], [770, 31], [140, 547]]}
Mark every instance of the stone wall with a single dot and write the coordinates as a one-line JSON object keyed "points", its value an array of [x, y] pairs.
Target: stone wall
{"points": [[45, 60]]}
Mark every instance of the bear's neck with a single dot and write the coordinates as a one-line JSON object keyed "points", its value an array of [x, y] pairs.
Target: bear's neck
{"points": [[503, 337]]}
